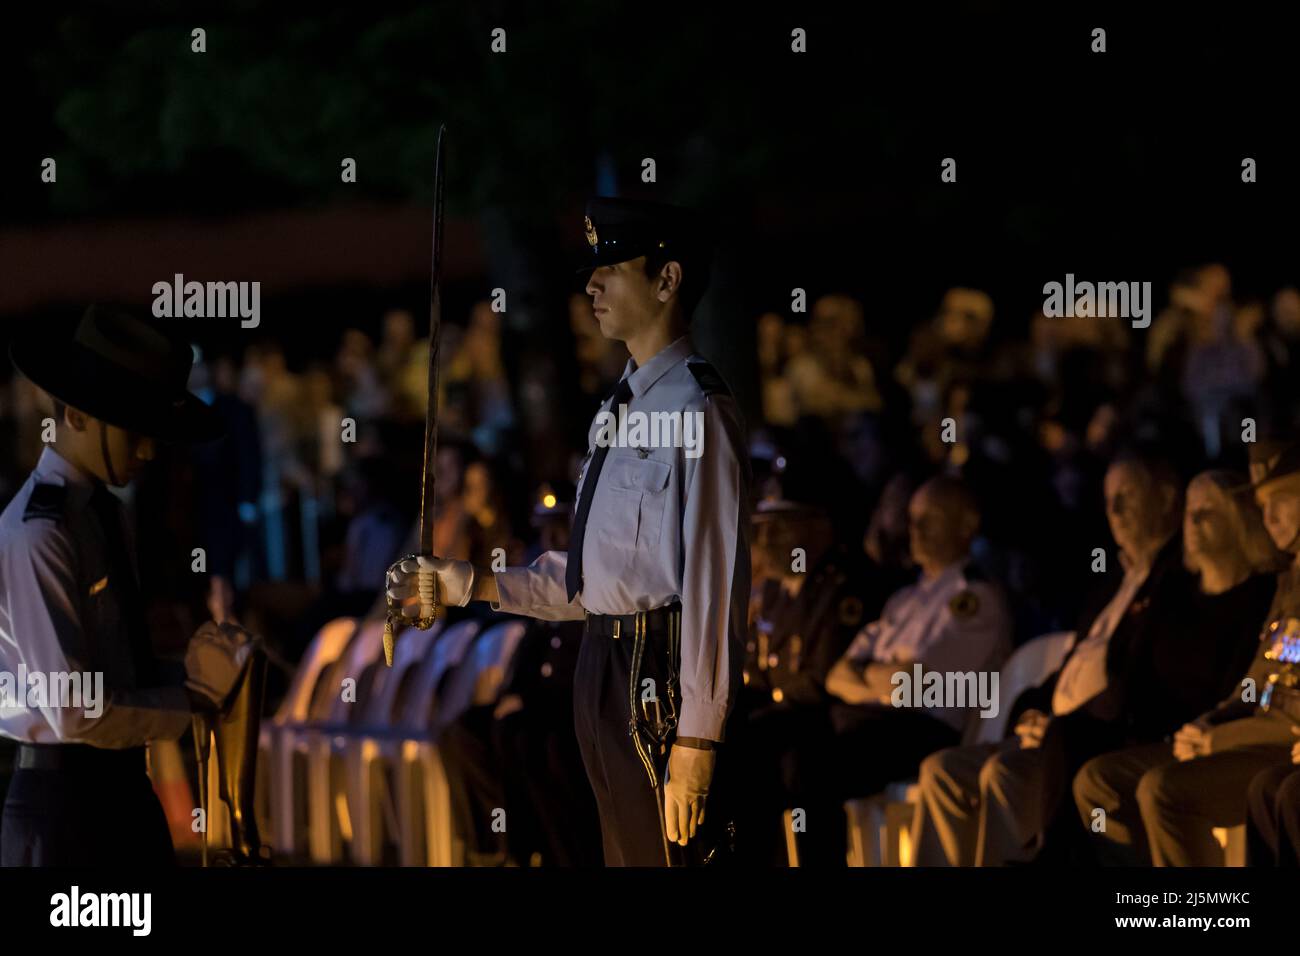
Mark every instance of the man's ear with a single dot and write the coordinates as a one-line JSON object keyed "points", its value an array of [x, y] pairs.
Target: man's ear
{"points": [[670, 280], [77, 420]]}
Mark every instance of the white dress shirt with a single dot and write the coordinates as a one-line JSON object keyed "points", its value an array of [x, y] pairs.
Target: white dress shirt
{"points": [[1084, 675]]}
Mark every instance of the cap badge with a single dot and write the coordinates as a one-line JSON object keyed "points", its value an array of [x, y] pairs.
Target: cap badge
{"points": [[591, 231]]}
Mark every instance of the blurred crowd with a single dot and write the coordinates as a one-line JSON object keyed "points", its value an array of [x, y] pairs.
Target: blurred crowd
{"points": [[1023, 424]]}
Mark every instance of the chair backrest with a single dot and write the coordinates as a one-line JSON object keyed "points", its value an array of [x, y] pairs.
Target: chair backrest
{"points": [[323, 651], [1028, 666], [421, 696], [490, 650], [493, 658], [409, 651], [363, 651]]}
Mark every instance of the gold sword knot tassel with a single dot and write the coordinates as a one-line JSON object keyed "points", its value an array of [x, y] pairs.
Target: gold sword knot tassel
{"points": [[394, 617]]}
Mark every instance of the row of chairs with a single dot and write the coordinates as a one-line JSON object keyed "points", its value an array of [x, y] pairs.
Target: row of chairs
{"points": [[349, 769], [348, 766]]}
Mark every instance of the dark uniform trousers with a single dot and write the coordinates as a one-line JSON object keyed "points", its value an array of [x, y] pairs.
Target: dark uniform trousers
{"points": [[76, 805], [1165, 810], [1273, 827], [631, 818]]}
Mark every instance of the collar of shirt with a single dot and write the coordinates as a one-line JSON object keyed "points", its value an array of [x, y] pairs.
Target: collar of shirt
{"points": [[640, 379], [1135, 568], [53, 469], [943, 580]]}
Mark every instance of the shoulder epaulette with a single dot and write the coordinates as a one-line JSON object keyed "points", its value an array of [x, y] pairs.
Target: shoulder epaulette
{"points": [[709, 380], [46, 501]]}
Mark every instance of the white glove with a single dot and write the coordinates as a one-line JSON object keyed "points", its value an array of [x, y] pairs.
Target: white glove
{"points": [[418, 577], [214, 659], [689, 773]]}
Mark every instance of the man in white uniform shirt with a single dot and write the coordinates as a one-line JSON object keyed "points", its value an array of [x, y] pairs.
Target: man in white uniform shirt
{"points": [[951, 621]]}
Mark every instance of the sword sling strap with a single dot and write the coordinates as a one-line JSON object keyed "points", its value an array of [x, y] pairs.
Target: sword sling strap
{"points": [[647, 731]]}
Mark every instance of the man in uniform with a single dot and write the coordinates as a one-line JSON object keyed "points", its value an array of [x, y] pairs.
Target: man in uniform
{"points": [[70, 602], [953, 620], [658, 561]]}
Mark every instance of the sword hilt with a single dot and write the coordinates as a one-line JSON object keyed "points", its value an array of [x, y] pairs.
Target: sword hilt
{"points": [[394, 614]]}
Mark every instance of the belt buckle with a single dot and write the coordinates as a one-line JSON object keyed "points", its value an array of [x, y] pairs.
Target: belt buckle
{"points": [[618, 627]]}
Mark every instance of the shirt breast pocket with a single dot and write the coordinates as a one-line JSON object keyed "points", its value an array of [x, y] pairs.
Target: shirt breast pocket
{"points": [[638, 497]]}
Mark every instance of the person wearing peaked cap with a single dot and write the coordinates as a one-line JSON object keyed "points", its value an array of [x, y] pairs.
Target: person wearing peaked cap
{"points": [[620, 230], [658, 561], [80, 794]]}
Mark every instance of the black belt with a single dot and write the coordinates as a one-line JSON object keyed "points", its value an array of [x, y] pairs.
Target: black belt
{"points": [[618, 625], [81, 758]]}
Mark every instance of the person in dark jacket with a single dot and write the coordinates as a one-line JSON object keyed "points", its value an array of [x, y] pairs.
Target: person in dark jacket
{"points": [[991, 804], [1188, 661]]}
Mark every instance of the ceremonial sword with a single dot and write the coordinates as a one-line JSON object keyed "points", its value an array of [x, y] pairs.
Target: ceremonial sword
{"points": [[429, 479]]}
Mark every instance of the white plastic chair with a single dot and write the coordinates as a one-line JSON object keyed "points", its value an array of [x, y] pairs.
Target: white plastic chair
{"points": [[347, 801], [423, 801], [1233, 841], [361, 654], [275, 759]]}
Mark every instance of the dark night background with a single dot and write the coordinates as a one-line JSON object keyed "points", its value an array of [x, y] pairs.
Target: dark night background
{"points": [[821, 169]]}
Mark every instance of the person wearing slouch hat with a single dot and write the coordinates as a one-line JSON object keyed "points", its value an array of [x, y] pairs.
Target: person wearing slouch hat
{"points": [[70, 600]]}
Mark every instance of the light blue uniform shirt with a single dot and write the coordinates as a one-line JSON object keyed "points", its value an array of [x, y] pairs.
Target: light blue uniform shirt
{"points": [[665, 524], [60, 614]]}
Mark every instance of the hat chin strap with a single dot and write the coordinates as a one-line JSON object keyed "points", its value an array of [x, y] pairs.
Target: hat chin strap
{"points": [[103, 450]]}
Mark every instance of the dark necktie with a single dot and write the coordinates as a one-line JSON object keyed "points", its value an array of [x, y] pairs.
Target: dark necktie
{"points": [[121, 576], [573, 570]]}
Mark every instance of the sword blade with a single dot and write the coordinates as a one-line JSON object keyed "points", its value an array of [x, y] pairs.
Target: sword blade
{"points": [[428, 485]]}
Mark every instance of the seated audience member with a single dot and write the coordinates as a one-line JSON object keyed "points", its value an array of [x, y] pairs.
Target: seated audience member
{"points": [[1201, 646], [814, 598], [989, 804], [1254, 729], [951, 621]]}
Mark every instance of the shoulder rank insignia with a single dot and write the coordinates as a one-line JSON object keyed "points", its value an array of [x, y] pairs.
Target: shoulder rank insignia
{"points": [[709, 380], [46, 501], [851, 611], [964, 605]]}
